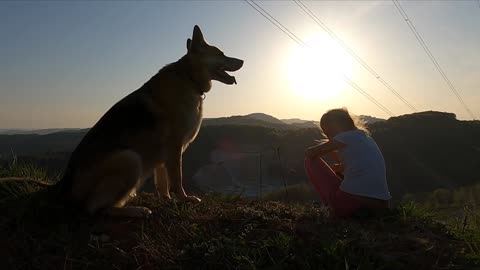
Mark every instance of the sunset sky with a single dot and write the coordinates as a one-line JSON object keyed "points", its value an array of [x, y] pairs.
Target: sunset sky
{"points": [[64, 64]]}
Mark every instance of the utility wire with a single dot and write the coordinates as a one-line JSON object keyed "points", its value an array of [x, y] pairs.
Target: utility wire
{"points": [[424, 45], [322, 25], [368, 96], [293, 37], [301, 43], [286, 29]]}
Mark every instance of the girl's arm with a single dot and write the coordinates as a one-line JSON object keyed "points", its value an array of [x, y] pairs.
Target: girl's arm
{"points": [[322, 149], [334, 156]]}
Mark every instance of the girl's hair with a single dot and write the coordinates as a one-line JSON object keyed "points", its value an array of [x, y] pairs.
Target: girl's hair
{"points": [[343, 119]]}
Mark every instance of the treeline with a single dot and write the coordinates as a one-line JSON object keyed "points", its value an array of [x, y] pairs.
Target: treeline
{"points": [[429, 150], [423, 151]]}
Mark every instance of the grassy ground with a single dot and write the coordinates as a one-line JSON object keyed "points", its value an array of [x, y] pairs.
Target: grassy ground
{"points": [[226, 233]]}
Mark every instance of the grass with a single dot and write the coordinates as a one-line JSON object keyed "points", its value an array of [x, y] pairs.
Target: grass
{"points": [[293, 193], [16, 168], [458, 209], [227, 232], [12, 174]]}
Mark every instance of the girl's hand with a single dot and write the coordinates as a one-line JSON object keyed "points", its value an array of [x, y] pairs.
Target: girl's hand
{"points": [[338, 168]]}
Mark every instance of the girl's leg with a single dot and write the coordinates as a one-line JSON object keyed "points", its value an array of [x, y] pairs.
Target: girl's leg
{"points": [[346, 204], [323, 178]]}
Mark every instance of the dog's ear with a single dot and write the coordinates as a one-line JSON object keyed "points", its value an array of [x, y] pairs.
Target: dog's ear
{"points": [[197, 39], [189, 44], [197, 34]]}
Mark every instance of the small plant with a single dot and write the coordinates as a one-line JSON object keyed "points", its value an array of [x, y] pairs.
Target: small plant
{"points": [[17, 168]]}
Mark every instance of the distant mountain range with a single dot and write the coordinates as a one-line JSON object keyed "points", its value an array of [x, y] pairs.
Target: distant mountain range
{"points": [[370, 119], [260, 119], [36, 131]]}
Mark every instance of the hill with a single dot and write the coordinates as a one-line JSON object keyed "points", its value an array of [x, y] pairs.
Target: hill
{"points": [[294, 121], [260, 119], [423, 152], [35, 145], [369, 119], [224, 233], [429, 150], [430, 154], [264, 117], [36, 131]]}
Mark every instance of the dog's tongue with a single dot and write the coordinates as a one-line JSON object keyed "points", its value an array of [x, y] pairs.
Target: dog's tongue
{"points": [[230, 80], [224, 77]]}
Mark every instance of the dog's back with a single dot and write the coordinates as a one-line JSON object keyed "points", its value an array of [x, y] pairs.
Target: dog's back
{"points": [[110, 133]]}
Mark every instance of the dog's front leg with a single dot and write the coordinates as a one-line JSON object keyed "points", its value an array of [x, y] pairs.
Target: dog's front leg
{"points": [[162, 182], [174, 169]]}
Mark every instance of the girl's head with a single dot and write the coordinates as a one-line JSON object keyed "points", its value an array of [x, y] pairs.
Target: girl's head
{"points": [[338, 120]]}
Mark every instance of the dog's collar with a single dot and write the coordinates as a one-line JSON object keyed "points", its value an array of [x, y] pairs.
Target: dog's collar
{"points": [[198, 85], [203, 94]]}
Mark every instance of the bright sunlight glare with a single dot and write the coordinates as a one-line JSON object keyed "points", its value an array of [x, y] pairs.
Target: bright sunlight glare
{"points": [[317, 72]]}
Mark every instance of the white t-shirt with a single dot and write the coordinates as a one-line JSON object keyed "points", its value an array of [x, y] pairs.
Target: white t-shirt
{"points": [[364, 165]]}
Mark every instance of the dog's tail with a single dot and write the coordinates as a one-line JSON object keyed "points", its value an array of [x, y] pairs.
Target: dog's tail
{"points": [[16, 187]]}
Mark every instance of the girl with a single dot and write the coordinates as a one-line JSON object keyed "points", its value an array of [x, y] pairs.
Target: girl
{"points": [[360, 161]]}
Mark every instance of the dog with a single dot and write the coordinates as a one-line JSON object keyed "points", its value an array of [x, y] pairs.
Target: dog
{"points": [[146, 132]]}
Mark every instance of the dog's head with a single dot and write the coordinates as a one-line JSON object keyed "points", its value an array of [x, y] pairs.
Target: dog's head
{"points": [[210, 61]]}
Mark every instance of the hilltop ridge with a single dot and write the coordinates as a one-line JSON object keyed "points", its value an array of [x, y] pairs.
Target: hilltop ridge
{"points": [[225, 233]]}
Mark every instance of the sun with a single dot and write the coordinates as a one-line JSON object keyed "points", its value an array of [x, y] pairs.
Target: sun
{"points": [[317, 71]]}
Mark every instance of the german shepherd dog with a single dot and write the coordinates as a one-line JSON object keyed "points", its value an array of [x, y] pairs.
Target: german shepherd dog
{"points": [[146, 132]]}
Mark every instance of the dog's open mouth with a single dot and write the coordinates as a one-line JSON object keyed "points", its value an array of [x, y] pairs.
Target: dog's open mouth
{"points": [[221, 75], [231, 64]]}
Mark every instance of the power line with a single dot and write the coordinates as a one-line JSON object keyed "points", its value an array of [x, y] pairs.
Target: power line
{"points": [[369, 97], [424, 45], [293, 37], [301, 43], [286, 29], [430, 55], [322, 25]]}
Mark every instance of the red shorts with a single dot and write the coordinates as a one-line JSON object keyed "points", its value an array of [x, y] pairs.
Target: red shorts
{"points": [[327, 184]]}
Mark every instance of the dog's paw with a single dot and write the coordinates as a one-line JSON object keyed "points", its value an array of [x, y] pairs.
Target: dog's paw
{"points": [[144, 212], [137, 212], [193, 199]]}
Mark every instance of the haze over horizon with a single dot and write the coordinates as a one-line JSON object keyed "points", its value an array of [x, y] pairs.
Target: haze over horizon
{"points": [[64, 64]]}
